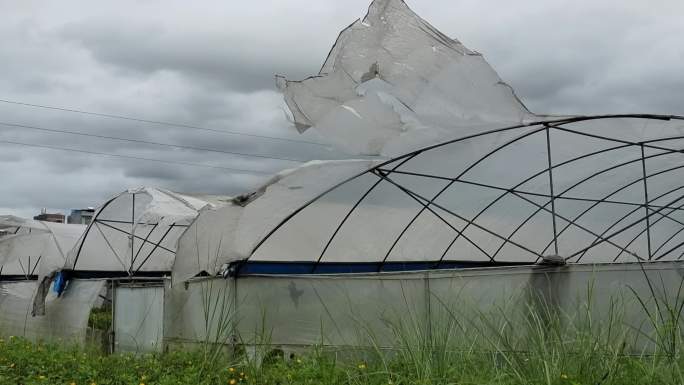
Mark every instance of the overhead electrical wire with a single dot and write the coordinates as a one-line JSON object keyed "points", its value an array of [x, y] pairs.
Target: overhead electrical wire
{"points": [[149, 142], [158, 122], [239, 170]]}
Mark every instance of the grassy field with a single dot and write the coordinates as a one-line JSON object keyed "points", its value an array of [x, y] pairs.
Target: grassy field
{"points": [[528, 342], [23, 362]]}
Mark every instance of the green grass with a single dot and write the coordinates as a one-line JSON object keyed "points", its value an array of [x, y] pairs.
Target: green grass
{"points": [[23, 362], [100, 318], [528, 341]]}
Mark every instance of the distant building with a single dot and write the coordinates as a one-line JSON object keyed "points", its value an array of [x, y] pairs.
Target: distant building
{"points": [[81, 216], [47, 217]]}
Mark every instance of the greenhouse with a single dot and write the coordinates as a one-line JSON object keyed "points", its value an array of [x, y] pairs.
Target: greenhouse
{"points": [[129, 249], [29, 252], [135, 234], [454, 199], [459, 193], [453, 171], [408, 233]]}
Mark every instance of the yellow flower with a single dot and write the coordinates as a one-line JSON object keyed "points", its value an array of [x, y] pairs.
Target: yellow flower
{"points": [[299, 361], [231, 370], [232, 381], [362, 366], [564, 376], [242, 374], [142, 383], [73, 383], [42, 377], [92, 383]]}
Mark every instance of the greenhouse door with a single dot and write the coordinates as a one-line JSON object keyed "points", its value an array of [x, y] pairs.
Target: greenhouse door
{"points": [[138, 317]]}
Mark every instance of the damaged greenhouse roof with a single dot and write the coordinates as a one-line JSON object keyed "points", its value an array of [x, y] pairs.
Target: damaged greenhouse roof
{"points": [[453, 171], [392, 83], [459, 173]]}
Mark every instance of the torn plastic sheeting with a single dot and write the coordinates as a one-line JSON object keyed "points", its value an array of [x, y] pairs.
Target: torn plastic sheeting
{"points": [[392, 73], [66, 318], [165, 204]]}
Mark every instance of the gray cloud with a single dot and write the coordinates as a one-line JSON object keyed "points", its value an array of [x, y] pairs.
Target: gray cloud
{"points": [[576, 57], [213, 66]]}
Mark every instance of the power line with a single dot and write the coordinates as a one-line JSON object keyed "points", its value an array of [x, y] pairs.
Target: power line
{"points": [[239, 170], [148, 142], [112, 116]]}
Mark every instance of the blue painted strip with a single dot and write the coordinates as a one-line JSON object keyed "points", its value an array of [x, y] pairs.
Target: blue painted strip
{"points": [[285, 268]]}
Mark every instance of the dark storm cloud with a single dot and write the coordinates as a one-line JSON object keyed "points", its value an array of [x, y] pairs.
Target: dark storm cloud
{"points": [[213, 65]]}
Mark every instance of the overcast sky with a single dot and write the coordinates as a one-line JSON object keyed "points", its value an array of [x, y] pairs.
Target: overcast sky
{"points": [[212, 65]]}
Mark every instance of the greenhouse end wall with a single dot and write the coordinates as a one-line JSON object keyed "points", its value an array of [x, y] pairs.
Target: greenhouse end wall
{"points": [[362, 310], [66, 317]]}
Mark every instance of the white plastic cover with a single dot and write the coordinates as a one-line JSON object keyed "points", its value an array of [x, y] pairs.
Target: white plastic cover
{"points": [[359, 309], [34, 247], [230, 233], [476, 178], [203, 311], [138, 318], [66, 318], [489, 198], [392, 83], [155, 218]]}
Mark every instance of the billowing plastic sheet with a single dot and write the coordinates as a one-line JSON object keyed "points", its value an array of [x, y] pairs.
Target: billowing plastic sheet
{"points": [[66, 318], [476, 179], [392, 83]]}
